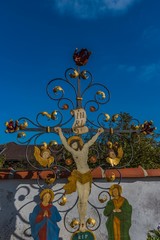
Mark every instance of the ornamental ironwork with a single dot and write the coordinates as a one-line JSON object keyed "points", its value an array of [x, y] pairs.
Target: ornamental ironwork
{"points": [[77, 101]]}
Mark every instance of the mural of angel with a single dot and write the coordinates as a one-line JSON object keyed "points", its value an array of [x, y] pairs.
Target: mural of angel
{"points": [[43, 155], [115, 153], [80, 178], [44, 218], [119, 212]]}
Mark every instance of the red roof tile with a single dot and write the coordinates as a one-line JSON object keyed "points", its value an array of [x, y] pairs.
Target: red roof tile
{"points": [[126, 172], [96, 173], [17, 152], [153, 172]]}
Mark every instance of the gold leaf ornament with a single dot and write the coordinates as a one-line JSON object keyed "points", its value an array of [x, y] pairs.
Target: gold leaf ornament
{"points": [[114, 157], [74, 223], [107, 117], [63, 200], [50, 180], [111, 178], [46, 114], [83, 74], [21, 134], [53, 143], [75, 74], [54, 115], [91, 221], [23, 125], [115, 117], [103, 199], [43, 156], [57, 89], [135, 127], [103, 95]]}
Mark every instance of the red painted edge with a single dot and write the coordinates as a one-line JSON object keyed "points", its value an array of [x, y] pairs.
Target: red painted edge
{"points": [[153, 172], [96, 173]]}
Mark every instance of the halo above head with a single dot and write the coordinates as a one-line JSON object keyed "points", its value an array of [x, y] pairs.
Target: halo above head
{"points": [[75, 138], [115, 186], [47, 190]]}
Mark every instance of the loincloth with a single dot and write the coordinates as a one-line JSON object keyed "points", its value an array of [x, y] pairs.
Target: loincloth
{"points": [[83, 178]]}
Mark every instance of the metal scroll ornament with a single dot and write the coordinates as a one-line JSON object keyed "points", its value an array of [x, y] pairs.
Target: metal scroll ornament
{"points": [[69, 113]]}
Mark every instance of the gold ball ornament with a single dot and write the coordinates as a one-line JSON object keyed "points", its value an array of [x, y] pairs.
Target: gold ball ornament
{"points": [[68, 161], [63, 201], [74, 223], [91, 221], [92, 109], [93, 159], [65, 106]]}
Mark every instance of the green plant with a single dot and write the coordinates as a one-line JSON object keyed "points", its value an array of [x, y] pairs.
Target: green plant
{"points": [[154, 234]]}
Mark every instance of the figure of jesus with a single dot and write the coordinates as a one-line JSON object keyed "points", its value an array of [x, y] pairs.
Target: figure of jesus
{"points": [[80, 178]]}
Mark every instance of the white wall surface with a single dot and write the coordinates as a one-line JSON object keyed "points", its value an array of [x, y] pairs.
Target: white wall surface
{"points": [[18, 198]]}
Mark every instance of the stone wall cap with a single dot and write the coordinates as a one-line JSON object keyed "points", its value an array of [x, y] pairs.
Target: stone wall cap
{"points": [[97, 173]]}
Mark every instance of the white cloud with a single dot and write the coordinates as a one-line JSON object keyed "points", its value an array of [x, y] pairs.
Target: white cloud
{"points": [[92, 8], [119, 5], [145, 73], [127, 68], [151, 36], [150, 72]]}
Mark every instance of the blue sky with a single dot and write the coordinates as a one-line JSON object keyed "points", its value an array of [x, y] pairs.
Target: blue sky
{"points": [[38, 38]]}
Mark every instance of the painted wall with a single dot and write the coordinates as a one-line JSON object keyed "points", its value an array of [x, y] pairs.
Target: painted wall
{"points": [[18, 198]]}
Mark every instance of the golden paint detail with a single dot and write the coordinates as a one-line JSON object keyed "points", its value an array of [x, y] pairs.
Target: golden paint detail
{"points": [[91, 221], [102, 94], [63, 200], [115, 153], [46, 114], [115, 117], [111, 178], [52, 116], [23, 126], [75, 74], [70, 187], [13, 126], [43, 155], [135, 127], [47, 190], [57, 89], [115, 186], [50, 180], [107, 117], [75, 138], [111, 130], [21, 134], [53, 143], [79, 98], [74, 223], [103, 199], [48, 129], [83, 74], [116, 227]]}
